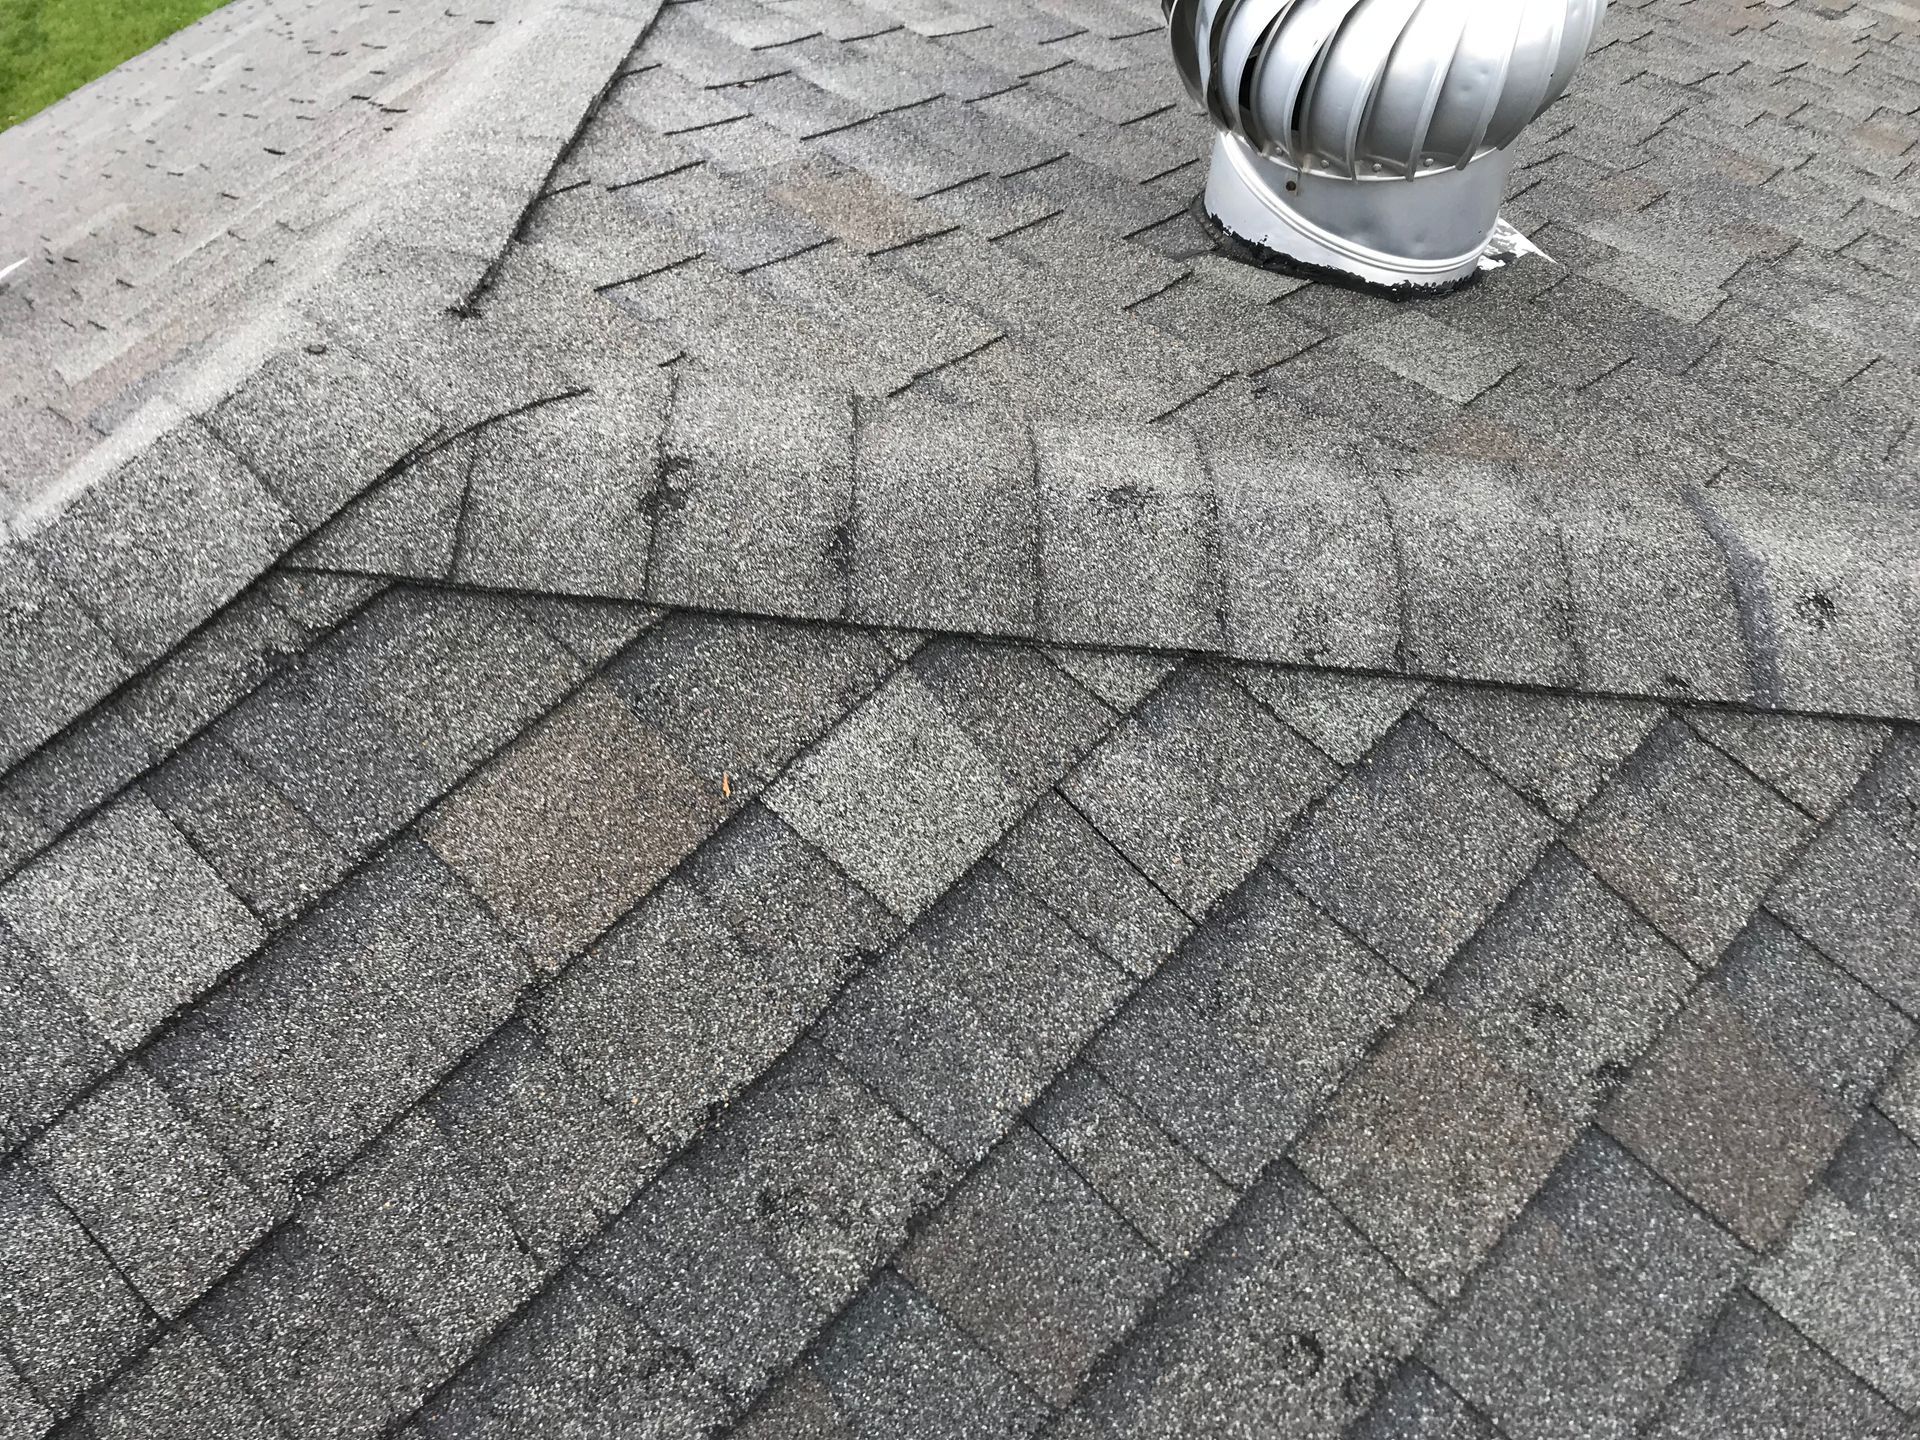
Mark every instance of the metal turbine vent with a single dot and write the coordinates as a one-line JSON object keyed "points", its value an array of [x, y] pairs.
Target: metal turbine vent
{"points": [[1371, 136]]}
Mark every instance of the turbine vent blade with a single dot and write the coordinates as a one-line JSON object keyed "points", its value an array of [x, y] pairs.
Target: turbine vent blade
{"points": [[1311, 95]]}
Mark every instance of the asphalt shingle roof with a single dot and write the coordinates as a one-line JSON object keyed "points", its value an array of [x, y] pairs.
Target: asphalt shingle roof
{"points": [[768, 759]]}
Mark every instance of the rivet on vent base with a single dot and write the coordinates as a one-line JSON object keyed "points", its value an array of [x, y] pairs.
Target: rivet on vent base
{"points": [[1370, 138]]}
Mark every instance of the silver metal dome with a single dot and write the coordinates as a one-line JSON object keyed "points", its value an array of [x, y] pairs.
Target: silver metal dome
{"points": [[1371, 136]]}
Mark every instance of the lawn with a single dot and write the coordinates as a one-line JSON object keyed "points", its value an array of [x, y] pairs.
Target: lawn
{"points": [[48, 47]]}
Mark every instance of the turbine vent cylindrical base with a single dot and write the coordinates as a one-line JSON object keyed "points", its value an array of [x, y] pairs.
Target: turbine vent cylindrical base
{"points": [[1427, 232]]}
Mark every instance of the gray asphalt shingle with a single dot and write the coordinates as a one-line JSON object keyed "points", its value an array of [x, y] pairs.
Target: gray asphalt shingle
{"points": [[319, 425], [1197, 786], [178, 1391], [341, 1024], [697, 1275], [1234, 1045], [965, 1022], [129, 918], [560, 864], [162, 542], [1690, 839], [830, 1176], [1026, 1258], [576, 1355], [895, 1367], [68, 1317], [1566, 986], [1289, 1322], [899, 796], [1415, 848], [1154, 1184], [1431, 1149], [1586, 1310], [50, 1050], [1204, 853], [1756, 1375], [1838, 1281], [311, 1343], [151, 1190]]}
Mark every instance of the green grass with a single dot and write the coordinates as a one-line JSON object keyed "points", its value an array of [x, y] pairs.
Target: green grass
{"points": [[48, 47]]}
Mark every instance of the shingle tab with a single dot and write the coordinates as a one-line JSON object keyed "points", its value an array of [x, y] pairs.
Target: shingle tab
{"points": [[1855, 892], [896, 1368], [743, 698], [1136, 1167], [1485, 578], [1063, 862], [1021, 709], [178, 1391], [1307, 566], [1431, 1149], [163, 542], [1589, 1307], [128, 918], [19, 1410], [559, 861], [1756, 1375], [1429, 352], [48, 1050], [1877, 1174], [1566, 986], [267, 851], [1415, 1405], [964, 1023], [1289, 1321], [783, 900], [594, 630], [575, 1356], [899, 796], [1653, 605], [314, 1346], [1899, 1099], [1841, 1283], [1813, 762], [1343, 715], [698, 1276], [1415, 848], [1235, 1045], [1197, 786], [1559, 750], [344, 765], [1716, 1110], [829, 1175], [67, 1317], [557, 1159], [559, 497], [754, 491], [95, 758], [670, 1015], [1028, 1260], [1690, 839], [320, 424], [405, 524], [342, 1023], [455, 675], [1124, 524], [419, 1227], [151, 1190], [943, 522]]}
